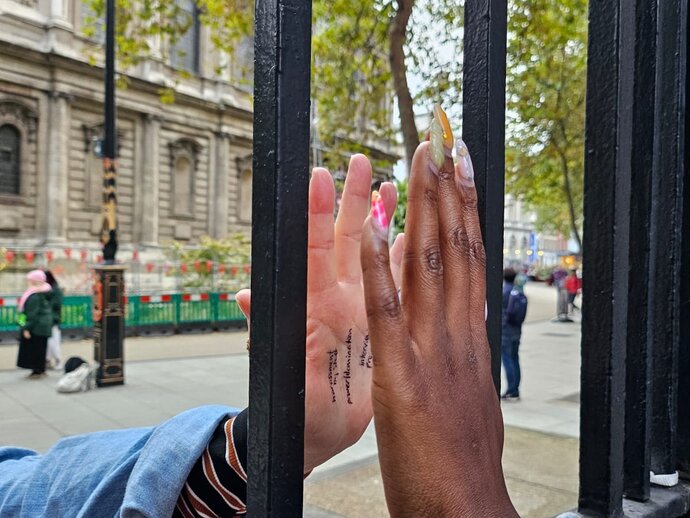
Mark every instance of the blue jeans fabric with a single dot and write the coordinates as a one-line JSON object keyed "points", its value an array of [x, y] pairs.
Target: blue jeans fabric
{"points": [[137, 472], [510, 345]]}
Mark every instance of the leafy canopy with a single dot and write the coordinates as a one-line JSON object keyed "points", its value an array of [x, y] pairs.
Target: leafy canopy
{"points": [[547, 43]]}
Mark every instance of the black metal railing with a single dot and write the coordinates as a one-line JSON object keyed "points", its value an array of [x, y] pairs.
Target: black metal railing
{"points": [[635, 413]]}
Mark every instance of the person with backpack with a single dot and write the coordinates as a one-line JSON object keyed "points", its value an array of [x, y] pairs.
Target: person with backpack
{"points": [[514, 313], [36, 322]]}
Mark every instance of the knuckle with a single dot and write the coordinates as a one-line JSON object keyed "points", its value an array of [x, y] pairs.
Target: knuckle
{"points": [[477, 252], [388, 306], [458, 240], [432, 260]]}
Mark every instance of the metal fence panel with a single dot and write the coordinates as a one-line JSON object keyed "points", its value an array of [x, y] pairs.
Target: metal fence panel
{"points": [[605, 266], [684, 356], [484, 69], [279, 257], [639, 372], [665, 228]]}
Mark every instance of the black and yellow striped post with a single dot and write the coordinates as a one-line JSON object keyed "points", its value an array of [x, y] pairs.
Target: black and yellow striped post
{"points": [[109, 279]]}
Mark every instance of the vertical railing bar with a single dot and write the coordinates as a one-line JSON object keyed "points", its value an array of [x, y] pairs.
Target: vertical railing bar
{"points": [[279, 257], [684, 353], [639, 359], [665, 229], [608, 143], [484, 69]]}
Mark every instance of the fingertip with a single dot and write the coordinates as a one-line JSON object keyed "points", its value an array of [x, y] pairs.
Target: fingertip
{"points": [[243, 299], [321, 191], [389, 194], [358, 179], [360, 160]]}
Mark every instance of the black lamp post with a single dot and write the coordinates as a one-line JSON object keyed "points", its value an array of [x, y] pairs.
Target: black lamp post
{"points": [[108, 304]]}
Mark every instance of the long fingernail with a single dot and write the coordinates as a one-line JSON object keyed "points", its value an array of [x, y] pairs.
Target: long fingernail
{"points": [[442, 118], [465, 162], [436, 154], [378, 213]]}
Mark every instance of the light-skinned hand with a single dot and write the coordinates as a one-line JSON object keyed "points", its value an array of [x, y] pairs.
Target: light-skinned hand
{"points": [[338, 397]]}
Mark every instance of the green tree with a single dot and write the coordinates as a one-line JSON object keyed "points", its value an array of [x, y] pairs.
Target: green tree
{"points": [[216, 264], [547, 43], [360, 49]]}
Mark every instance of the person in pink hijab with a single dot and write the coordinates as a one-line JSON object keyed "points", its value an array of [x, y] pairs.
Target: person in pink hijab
{"points": [[36, 322]]}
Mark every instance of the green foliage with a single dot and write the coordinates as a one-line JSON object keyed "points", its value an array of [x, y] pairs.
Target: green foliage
{"points": [[546, 83], [401, 209], [351, 70], [234, 252], [352, 78]]}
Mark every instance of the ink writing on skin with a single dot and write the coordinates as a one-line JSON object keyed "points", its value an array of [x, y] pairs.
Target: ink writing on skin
{"points": [[333, 371], [365, 350], [366, 359], [346, 374]]}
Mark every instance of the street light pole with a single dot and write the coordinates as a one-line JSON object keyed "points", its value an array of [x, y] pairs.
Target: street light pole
{"points": [[109, 229], [109, 278]]}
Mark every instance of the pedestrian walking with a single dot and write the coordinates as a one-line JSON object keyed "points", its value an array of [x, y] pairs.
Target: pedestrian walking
{"points": [[573, 285], [557, 279], [53, 353], [514, 313], [36, 321]]}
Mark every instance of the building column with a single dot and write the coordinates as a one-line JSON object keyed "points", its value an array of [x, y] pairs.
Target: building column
{"points": [[56, 168], [219, 202], [147, 181]]}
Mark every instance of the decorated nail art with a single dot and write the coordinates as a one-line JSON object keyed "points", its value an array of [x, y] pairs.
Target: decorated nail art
{"points": [[465, 162], [440, 139], [378, 211], [436, 153], [442, 118]]}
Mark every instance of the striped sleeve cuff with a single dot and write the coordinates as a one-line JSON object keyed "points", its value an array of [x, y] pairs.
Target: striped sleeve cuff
{"points": [[217, 484]]}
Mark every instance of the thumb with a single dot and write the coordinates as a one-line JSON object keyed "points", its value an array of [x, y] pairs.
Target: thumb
{"points": [[244, 302]]}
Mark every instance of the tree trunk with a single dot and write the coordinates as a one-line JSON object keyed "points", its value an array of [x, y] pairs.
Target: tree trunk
{"points": [[397, 35], [569, 199]]}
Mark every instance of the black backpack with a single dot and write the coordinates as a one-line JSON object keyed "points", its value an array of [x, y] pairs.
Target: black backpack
{"points": [[517, 308], [72, 363]]}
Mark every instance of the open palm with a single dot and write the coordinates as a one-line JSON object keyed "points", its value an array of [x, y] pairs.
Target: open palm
{"points": [[338, 355]]}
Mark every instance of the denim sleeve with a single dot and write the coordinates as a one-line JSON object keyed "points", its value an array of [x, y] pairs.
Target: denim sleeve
{"points": [[128, 473]]}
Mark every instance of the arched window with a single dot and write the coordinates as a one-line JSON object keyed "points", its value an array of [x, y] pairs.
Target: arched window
{"points": [[246, 195], [183, 162], [10, 159], [184, 53], [183, 175]]}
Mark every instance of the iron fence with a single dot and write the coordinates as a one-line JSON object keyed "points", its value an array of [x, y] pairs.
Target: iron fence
{"points": [[144, 314], [635, 417]]}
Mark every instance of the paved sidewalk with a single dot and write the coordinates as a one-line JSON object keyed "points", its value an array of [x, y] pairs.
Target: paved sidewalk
{"points": [[162, 380]]}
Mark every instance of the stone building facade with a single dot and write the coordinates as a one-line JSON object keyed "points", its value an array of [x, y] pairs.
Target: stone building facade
{"points": [[523, 244], [184, 168]]}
